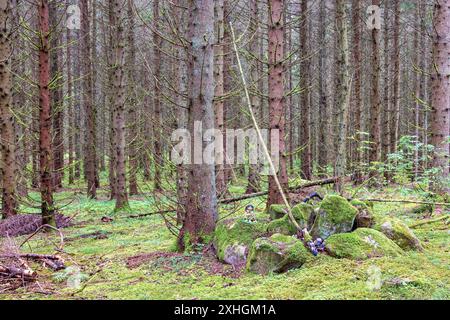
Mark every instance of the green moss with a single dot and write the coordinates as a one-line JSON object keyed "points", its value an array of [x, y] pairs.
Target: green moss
{"points": [[334, 215], [236, 232], [303, 214], [278, 253], [400, 233], [282, 225], [361, 244], [276, 211], [412, 275]]}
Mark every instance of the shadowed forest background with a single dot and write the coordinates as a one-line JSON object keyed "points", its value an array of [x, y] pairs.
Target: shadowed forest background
{"points": [[94, 205]]}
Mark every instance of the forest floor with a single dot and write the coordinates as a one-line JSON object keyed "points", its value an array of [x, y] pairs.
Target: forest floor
{"points": [[134, 258]]}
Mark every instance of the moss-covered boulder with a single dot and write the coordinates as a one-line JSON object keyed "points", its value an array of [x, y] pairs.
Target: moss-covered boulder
{"points": [[233, 238], [334, 215], [363, 243], [277, 211], [400, 233], [278, 253], [364, 217], [303, 214]]}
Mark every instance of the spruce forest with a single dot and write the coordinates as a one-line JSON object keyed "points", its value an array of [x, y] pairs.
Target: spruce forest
{"points": [[225, 149]]}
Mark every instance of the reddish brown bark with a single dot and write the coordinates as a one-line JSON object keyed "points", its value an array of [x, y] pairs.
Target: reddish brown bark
{"points": [[276, 94], [305, 113], [218, 89], [201, 211], [440, 100]]}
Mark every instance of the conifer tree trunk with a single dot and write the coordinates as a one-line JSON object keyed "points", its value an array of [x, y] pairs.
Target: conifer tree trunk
{"points": [[440, 99], [45, 118], [119, 103], [305, 135], [132, 111], [201, 209], [7, 135], [375, 134], [218, 88], [253, 174], [343, 90], [89, 108], [276, 94], [157, 128]]}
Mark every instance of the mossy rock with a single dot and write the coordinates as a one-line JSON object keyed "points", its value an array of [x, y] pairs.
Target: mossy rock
{"points": [[277, 211], [233, 237], [363, 243], [400, 233], [304, 215], [364, 217], [278, 254], [334, 215]]}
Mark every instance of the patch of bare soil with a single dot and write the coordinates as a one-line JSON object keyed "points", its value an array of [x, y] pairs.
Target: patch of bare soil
{"points": [[181, 263], [22, 224]]}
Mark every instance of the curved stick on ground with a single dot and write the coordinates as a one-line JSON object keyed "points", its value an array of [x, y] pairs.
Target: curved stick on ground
{"points": [[61, 236]]}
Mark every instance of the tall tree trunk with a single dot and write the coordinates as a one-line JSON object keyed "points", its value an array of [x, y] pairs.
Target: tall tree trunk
{"points": [[218, 89], [77, 105], [305, 112], [375, 103], [253, 174], [386, 114], [111, 108], [276, 95], [343, 90], [94, 90], [157, 128], [440, 100], [323, 106], [45, 118], [118, 86], [90, 140], [356, 21], [416, 84], [395, 114], [7, 135], [201, 211], [57, 101], [132, 111], [70, 108], [180, 77]]}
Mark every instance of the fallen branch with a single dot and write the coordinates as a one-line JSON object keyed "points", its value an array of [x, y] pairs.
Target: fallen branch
{"points": [[42, 227], [421, 223], [291, 189], [14, 272], [150, 213], [408, 201], [52, 261]]}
